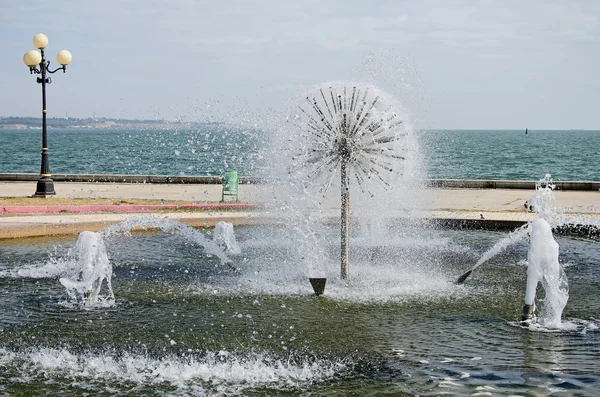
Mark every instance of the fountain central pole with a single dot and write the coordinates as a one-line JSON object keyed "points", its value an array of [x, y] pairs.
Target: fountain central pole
{"points": [[344, 221], [351, 129]]}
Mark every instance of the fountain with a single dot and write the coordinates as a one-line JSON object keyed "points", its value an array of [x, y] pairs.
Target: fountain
{"points": [[224, 237], [352, 132], [89, 270], [541, 201], [542, 258], [543, 267], [183, 321]]}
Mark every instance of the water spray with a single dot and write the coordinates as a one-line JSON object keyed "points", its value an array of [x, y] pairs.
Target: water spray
{"points": [[91, 269], [513, 237], [351, 129], [224, 237], [542, 259], [540, 202]]}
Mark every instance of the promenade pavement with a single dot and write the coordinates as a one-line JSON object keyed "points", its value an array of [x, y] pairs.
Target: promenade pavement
{"points": [[500, 205]]}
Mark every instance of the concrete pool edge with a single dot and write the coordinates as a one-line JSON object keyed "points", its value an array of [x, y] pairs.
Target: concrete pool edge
{"points": [[24, 226]]}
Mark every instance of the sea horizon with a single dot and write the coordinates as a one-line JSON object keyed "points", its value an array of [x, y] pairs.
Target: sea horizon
{"points": [[497, 154]]}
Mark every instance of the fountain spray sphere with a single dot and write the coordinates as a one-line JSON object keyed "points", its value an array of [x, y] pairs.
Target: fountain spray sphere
{"points": [[348, 125], [353, 131]]}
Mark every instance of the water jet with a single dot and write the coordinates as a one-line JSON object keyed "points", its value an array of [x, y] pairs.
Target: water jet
{"points": [[89, 269], [349, 129], [224, 237], [543, 267]]}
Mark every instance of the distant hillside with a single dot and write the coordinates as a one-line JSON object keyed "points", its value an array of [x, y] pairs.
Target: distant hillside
{"points": [[56, 122]]}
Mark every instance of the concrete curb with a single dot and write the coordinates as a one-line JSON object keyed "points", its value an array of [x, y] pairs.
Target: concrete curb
{"points": [[505, 184], [74, 227], [75, 223], [215, 180], [48, 209], [116, 178], [568, 229]]}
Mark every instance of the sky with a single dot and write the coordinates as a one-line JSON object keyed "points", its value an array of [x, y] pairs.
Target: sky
{"points": [[451, 64]]}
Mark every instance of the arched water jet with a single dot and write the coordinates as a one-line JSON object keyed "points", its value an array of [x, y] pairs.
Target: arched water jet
{"points": [[169, 226], [89, 267], [352, 129], [542, 257], [540, 202]]}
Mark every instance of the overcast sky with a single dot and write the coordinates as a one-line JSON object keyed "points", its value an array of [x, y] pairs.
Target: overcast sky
{"points": [[452, 63]]}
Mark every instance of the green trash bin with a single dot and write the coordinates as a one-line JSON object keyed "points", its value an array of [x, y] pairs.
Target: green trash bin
{"points": [[230, 185]]}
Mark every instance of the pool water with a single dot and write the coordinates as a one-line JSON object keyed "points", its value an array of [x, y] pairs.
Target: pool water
{"points": [[184, 323]]}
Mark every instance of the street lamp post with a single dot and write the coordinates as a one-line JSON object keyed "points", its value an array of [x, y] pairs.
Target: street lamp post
{"points": [[38, 64]]}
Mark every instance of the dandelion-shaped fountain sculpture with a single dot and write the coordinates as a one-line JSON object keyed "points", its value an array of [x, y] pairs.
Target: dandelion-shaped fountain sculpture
{"points": [[349, 128]]}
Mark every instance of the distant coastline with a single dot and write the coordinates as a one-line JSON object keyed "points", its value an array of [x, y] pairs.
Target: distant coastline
{"points": [[33, 123]]}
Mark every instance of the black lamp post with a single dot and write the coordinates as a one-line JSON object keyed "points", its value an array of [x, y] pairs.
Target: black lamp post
{"points": [[39, 65]]}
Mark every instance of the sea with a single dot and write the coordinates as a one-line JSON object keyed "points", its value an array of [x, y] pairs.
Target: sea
{"points": [[567, 155]]}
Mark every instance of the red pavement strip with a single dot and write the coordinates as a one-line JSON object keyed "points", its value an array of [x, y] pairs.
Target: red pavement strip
{"points": [[37, 209]]}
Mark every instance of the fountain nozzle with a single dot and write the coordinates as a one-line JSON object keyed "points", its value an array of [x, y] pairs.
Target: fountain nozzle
{"points": [[318, 285], [528, 313]]}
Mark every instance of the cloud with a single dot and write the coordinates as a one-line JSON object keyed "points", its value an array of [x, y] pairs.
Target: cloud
{"points": [[166, 56]]}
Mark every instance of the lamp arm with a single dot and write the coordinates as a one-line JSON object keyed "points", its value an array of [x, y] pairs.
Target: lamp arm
{"points": [[63, 68]]}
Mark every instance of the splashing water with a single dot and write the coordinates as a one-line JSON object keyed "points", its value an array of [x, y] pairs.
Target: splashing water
{"points": [[90, 267], [543, 267], [349, 125], [91, 270], [542, 199], [224, 237], [218, 373], [168, 226], [344, 139], [542, 258], [540, 202]]}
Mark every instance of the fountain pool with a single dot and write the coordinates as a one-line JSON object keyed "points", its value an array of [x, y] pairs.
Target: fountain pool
{"points": [[184, 322]]}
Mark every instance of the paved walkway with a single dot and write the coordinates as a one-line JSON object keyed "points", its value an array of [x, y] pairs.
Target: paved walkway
{"points": [[501, 205]]}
